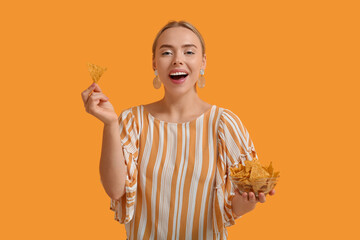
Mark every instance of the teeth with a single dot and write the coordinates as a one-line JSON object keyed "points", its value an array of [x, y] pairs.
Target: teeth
{"points": [[178, 73]]}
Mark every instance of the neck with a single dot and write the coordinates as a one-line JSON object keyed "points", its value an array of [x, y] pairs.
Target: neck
{"points": [[183, 105]]}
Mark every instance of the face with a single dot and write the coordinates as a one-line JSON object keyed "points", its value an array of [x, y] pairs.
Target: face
{"points": [[178, 59]]}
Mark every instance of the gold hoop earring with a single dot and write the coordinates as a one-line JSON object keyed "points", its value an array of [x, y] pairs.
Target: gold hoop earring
{"points": [[201, 81], [156, 81]]}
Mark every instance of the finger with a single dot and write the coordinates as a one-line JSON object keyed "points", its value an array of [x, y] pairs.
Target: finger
{"points": [[262, 197], [272, 192], [252, 197], [97, 96], [244, 196], [97, 88], [86, 92], [94, 99]]}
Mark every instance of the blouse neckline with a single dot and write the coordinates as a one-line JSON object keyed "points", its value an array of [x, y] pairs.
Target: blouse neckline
{"points": [[188, 122]]}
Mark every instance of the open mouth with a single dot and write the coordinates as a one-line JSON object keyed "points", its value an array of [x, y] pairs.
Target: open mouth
{"points": [[178, 76]]}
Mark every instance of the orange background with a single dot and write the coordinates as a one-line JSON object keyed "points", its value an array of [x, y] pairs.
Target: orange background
{"points": [[289, 69]]}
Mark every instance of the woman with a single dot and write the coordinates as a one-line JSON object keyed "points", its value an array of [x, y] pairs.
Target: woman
{"points": [[167, 171]]}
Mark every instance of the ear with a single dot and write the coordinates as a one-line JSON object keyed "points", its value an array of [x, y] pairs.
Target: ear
{"points": [[153, 64], [203, 63]]}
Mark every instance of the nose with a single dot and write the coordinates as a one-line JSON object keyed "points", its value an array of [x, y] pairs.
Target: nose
{"points": [[177, 60]]}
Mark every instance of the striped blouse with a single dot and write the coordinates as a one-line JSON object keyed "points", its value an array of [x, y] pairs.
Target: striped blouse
{"points": [[177, 185]]}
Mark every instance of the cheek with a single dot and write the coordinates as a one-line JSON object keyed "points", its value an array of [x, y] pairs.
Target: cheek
{"points": [[195, 63], [163, 63]]}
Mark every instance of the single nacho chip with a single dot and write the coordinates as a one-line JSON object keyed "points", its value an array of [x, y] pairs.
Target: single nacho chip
{"points": [[96, 72], [257, 172], [276, 174], [270, 169], [248, 166]]}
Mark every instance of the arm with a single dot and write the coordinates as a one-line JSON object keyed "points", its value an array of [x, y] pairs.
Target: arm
{"points": [[112, 163]]}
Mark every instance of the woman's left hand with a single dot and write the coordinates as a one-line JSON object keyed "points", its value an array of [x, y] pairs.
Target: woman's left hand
{"points": [[245, 202]]}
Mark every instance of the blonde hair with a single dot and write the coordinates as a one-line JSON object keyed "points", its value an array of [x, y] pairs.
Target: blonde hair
{"points": [[184, 24]]}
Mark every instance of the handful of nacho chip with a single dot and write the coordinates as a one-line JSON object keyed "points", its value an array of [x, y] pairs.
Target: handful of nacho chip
{"points": [[95, 72], [253, 177]]}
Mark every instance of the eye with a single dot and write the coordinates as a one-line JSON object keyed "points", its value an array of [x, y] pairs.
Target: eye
{"points": [[166, 53], [190, 52]]}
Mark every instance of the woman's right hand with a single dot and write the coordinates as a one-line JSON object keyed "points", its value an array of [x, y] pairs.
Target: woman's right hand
{"points": [[97, 104]]}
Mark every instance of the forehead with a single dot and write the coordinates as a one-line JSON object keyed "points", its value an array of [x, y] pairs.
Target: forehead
{"points": [[178, 36]]}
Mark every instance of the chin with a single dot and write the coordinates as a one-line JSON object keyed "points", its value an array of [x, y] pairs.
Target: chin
{"points": [[180, 90]]}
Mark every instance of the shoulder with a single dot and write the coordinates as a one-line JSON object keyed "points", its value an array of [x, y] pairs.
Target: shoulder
{"points": [[131, 110], [231, 120], [229, 116], [130, 114]]}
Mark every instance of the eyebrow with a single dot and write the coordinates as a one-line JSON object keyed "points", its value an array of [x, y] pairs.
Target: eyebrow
{"points": [[170, 46]]}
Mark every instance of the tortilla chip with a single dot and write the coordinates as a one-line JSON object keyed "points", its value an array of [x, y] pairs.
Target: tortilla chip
{"points": [[96, 72]]}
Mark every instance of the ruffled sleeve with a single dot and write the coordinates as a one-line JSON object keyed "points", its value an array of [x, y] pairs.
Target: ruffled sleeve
{"points": [[234, 146], [129, 134]]}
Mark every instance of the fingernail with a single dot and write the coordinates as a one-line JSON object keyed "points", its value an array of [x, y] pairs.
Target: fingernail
{"points": [[92, 85]]}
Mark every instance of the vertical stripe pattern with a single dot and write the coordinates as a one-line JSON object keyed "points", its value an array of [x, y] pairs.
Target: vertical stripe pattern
{"points": [[176, 184]]}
